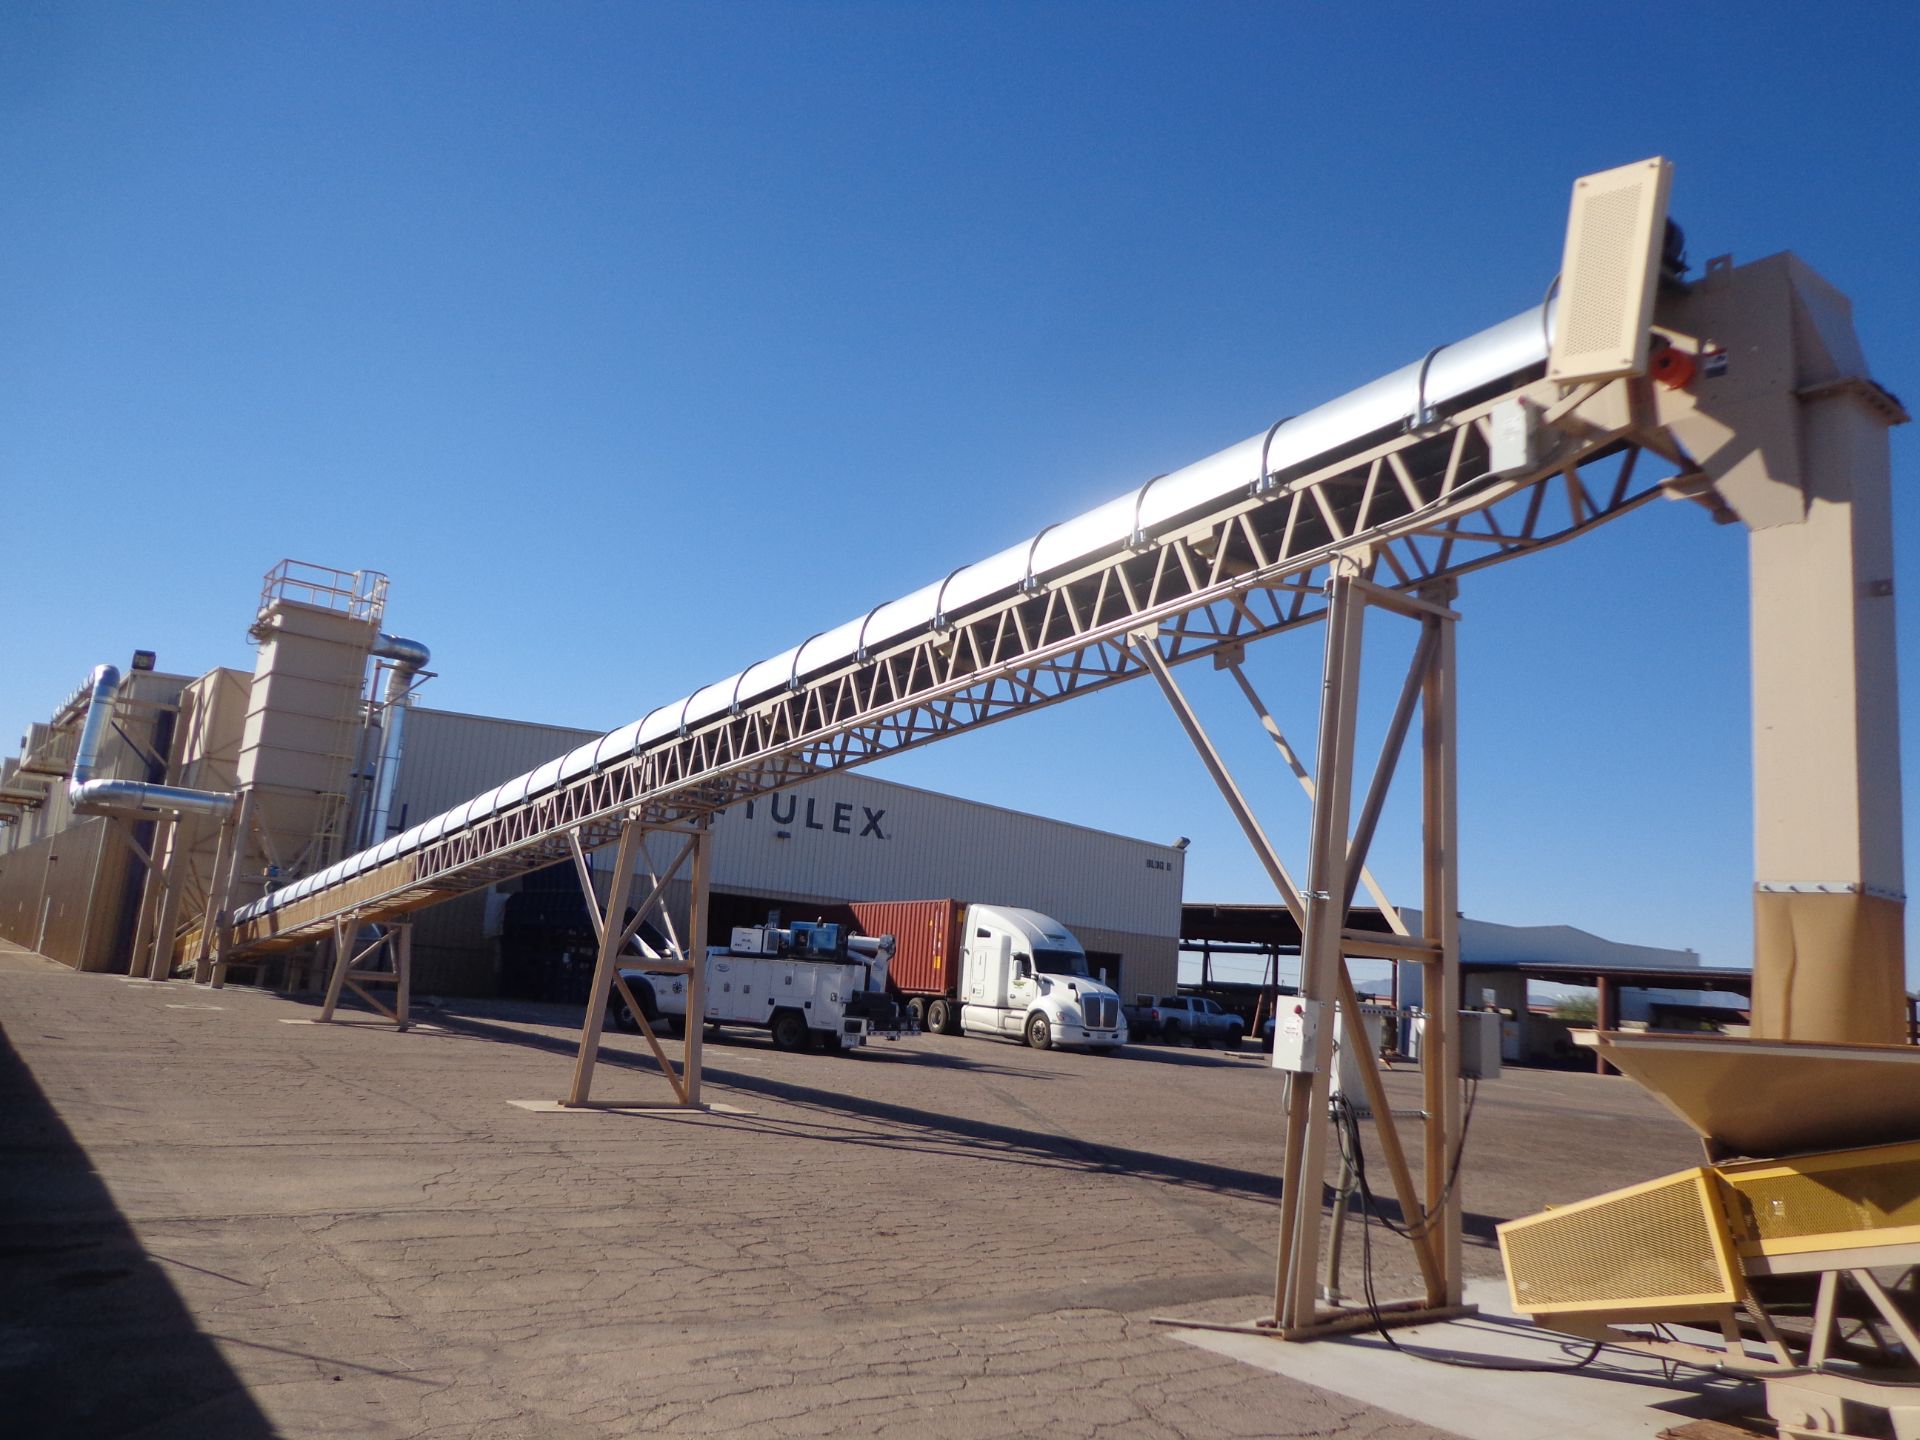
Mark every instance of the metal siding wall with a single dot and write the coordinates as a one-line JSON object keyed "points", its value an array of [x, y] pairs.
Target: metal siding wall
{"points": [[1116, 893], [117, 759], [78, 882], [451, 955], [449, 757], [23, 873], [924, 845], [1149, 964], [206, 744], [927, 846], [91, 872]]}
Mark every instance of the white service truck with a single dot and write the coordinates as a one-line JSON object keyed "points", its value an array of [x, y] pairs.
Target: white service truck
{"points": [[806, 983], [978, 969]]}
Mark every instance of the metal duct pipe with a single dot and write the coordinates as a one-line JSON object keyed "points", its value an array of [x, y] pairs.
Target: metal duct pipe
{"points": [[123, 797], [410, 657]]}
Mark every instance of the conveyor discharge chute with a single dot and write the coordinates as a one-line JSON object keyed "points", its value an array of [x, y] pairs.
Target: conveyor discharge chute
{"points": [[1788, 1249]]}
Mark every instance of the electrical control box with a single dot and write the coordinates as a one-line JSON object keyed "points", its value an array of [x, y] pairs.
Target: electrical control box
{"points": [[1296, 1034], [1353, 1053], [1480, 1044], [1513, 428], [1477, 1035]]}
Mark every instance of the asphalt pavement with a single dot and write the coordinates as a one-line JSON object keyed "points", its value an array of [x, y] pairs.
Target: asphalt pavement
{"points": [[217, 1223]]}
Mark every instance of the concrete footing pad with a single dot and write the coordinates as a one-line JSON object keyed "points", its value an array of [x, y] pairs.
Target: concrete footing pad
{"points": [[1620, 1394], [621, 1107]]}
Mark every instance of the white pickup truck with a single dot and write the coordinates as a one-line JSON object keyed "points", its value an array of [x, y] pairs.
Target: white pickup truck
{"points": [[1188, 1018]]}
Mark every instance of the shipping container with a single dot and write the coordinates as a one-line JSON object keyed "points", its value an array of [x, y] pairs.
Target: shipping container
{"points": [[927, 943]]}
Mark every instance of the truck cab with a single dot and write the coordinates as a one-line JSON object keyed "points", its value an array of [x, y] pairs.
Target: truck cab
{"points": [[1024, 976]]}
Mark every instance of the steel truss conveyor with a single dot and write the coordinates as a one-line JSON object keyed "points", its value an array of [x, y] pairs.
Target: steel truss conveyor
{"points": [[1398, 477], [1747, 389]]}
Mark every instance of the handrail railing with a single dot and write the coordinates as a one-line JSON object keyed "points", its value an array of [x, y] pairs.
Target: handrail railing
{"points": [[359, 594]]}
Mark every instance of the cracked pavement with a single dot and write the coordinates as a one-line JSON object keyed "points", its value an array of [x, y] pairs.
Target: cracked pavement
{"points": [[213, 1223]]}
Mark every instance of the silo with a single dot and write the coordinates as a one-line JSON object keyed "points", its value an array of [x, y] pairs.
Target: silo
{"points": [[305, 712]]}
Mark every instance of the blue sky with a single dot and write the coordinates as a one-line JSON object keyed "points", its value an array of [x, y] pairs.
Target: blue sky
{"points": [[637, 342]]}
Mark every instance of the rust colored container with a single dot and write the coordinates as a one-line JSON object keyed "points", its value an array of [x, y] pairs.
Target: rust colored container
{"points": [[927, 941]]}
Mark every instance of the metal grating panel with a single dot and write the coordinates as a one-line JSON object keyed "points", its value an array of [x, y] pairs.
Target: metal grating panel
{"points": [[1844, 1199], [1609, 273], [1652, 1246]]}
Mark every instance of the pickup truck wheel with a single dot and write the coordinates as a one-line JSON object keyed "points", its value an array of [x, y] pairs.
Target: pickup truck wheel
{"points": [[789, 1031], [1234, 1037], [940, 1016], [1170, 1033], [1039, 1033]]}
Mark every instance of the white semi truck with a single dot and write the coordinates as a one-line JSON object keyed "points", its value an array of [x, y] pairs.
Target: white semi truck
{"points": [[806, 983], [972, 969]]}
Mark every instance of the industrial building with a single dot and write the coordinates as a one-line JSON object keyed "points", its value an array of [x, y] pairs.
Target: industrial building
{"points": [[326, 733], [816, 845], [1225, 947], [70, 884]]}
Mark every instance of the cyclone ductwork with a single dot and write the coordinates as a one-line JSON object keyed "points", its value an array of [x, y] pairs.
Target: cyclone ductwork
{"points": [[124, 797], [410, 657]]}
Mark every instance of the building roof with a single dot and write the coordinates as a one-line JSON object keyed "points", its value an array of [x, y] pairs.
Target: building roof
{"points": [[1562, 954]]}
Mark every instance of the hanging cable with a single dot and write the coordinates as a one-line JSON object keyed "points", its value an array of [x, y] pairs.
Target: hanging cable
{"points": [[1347, 1127], [1419, 1229]]}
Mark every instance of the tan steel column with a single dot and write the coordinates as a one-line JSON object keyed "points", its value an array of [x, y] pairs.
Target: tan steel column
{"points": [[1321, 957], [242, 829], [611, 939], [1829, 879], [1299, 1090], [150, 888], [694, 1040], [401, 946], [167, 920], [342, 961], [1440, 923], [1606, 1016], [216, 901]]}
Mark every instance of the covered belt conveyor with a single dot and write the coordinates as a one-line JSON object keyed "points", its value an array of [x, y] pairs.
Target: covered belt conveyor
{"points": [[1038, 621]]}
